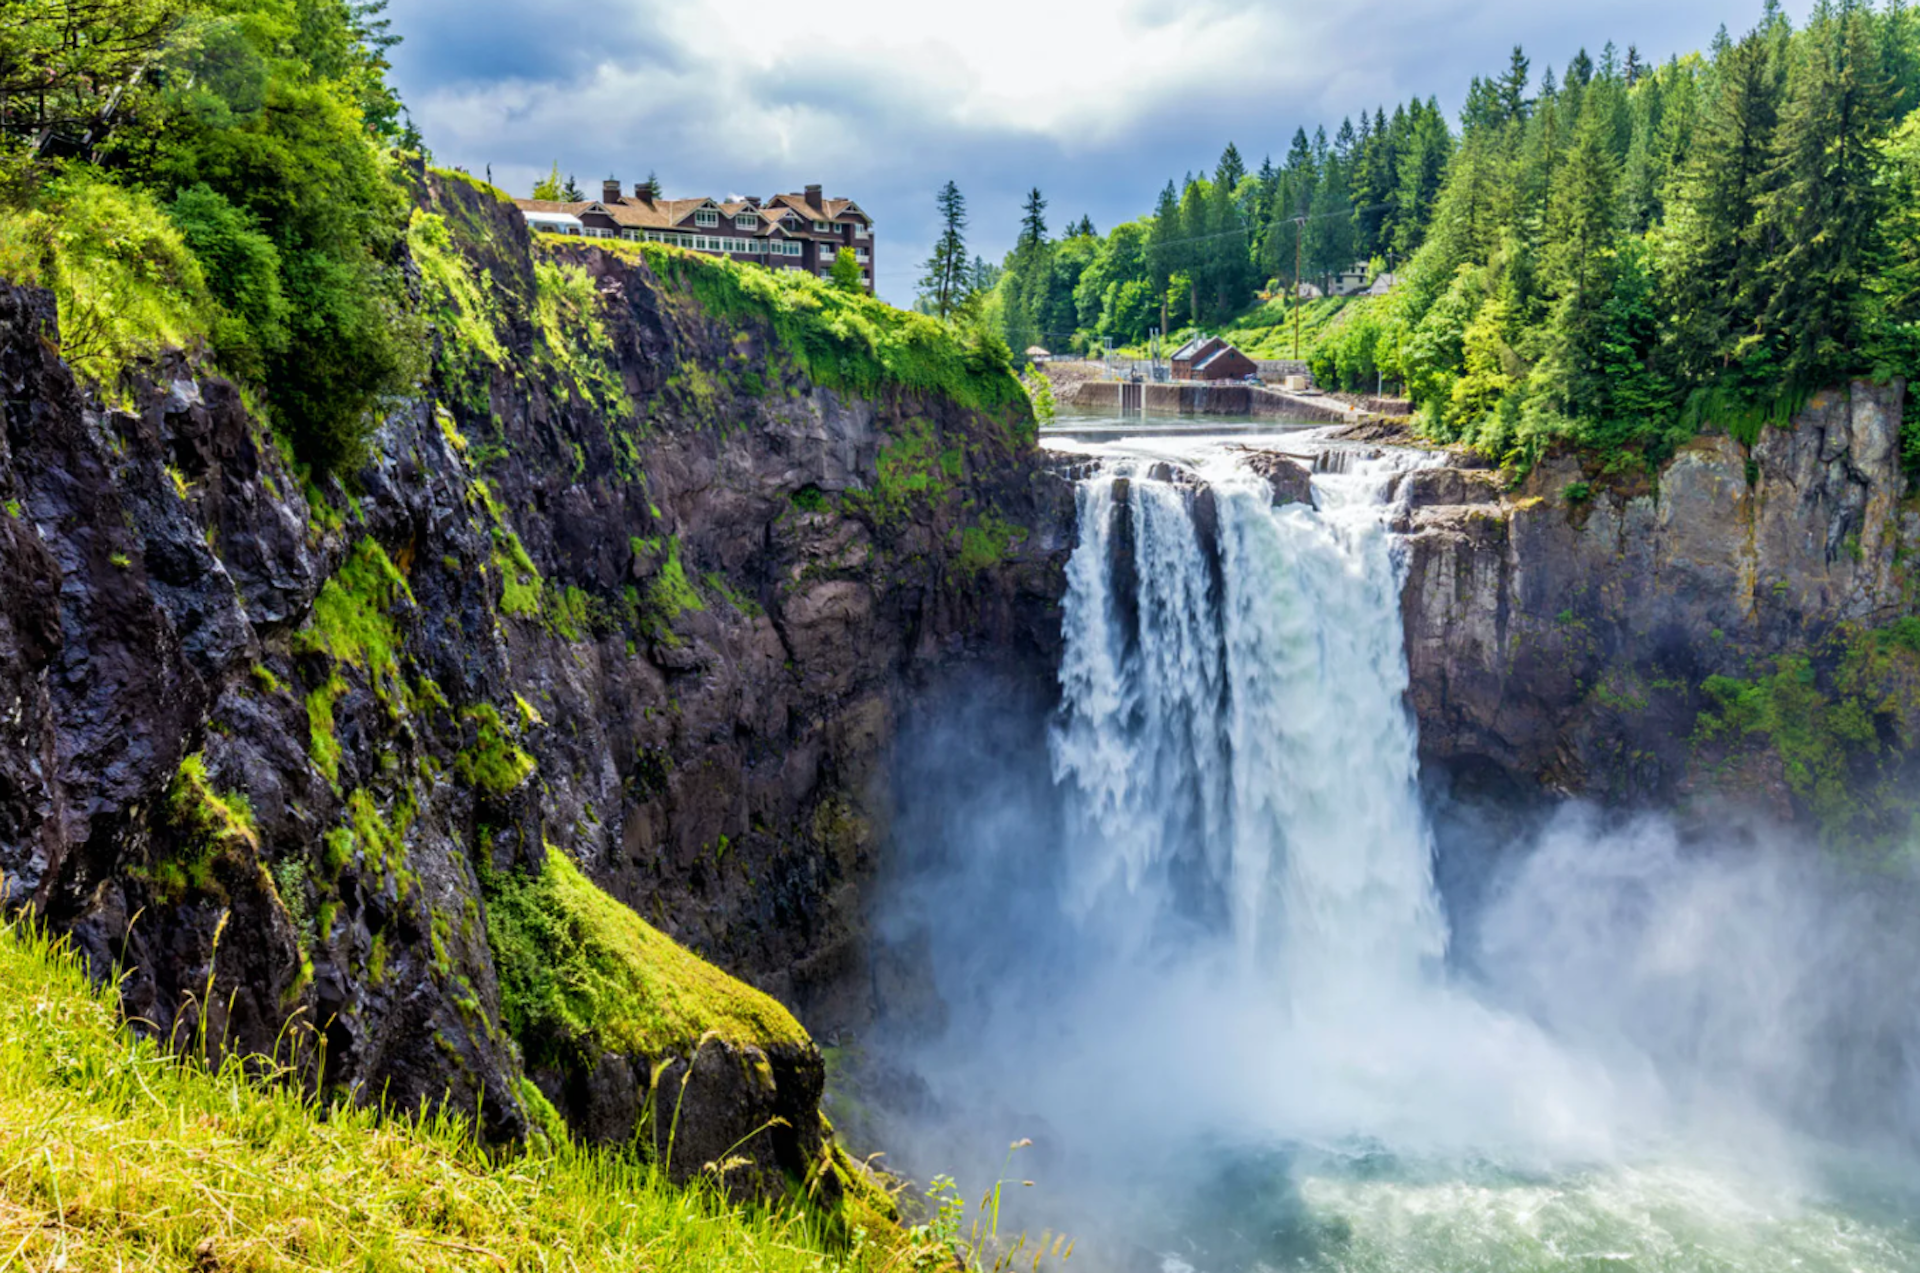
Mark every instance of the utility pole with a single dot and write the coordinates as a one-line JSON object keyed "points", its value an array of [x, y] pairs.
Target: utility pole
{"points": [[1299, 233]]}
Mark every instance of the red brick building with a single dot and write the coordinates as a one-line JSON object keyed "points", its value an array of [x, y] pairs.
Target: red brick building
{"points": [[802, 231]]}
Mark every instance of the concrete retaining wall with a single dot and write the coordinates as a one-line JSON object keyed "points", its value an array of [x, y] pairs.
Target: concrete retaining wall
{"points": [[1203, 399]]}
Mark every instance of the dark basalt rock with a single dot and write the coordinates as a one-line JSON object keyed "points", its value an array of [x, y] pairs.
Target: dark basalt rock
{"points": [[718, 767]]}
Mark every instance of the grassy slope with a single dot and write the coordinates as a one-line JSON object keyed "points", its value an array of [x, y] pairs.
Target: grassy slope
{"points": [[1265, 329], [113, 1155]]}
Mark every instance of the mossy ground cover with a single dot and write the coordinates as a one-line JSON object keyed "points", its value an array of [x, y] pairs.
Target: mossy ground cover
{"points": [[579, 970], [842, 340], [115, 1155], [1840, 719], [206, 826], [352, 623]]}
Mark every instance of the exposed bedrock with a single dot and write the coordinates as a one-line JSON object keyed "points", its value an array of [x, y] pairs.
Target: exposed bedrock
{"points": [[1560, 634]]}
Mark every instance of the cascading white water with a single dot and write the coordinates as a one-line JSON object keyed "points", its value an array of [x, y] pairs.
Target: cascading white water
{"points": [[1203, 967], [1242, 706]]}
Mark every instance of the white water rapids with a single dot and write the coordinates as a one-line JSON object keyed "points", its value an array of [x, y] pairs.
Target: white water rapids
{"points": [[1207, 966]]}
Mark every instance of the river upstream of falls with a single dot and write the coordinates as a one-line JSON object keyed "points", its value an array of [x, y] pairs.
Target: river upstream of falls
{"points": [[1190, 939]]}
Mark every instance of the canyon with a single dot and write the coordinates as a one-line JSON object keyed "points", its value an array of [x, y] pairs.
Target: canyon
{"points": [[632, 586]]}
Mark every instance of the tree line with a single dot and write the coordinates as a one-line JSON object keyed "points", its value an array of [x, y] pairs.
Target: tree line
{"points": [[1213, 240], [1623, 253]]}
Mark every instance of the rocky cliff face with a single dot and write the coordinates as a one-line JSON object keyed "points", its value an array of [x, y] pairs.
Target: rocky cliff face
{"points": [[628, 587], [1564, 633]]}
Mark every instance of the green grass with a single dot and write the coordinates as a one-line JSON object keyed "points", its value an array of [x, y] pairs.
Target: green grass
{"points": [[117, 1156], [1265, 330], [842, 340], [580, 971]]}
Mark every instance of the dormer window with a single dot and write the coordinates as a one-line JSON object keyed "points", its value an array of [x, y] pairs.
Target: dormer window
{"points": [[706, 216], [821, 227], [746, 221]]}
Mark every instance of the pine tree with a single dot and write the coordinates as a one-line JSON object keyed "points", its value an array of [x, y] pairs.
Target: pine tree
{"points": [[1164, 242], [571, 192], [1825, 204], [1230, 168], [945, 280], [1033, 220], [1329, 230], [1511, 89], [1714, 231]]}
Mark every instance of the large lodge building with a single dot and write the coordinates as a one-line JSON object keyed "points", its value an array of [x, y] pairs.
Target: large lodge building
{"points": [[788, 231]]}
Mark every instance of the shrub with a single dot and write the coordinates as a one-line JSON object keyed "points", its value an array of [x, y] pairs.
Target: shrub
{"points": [[126, 283], [243, 272]]}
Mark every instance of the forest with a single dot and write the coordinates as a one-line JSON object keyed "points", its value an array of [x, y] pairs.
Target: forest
{"points": [[1616, 253], [217, 174]]}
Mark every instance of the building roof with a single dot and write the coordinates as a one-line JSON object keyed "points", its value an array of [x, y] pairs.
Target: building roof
{"points": [[1193, 348], [667, 214], [1217, 355], [545, 217], [830, 209]]}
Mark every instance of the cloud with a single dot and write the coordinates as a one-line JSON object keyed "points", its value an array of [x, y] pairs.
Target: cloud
{"points": [[882, 103]]}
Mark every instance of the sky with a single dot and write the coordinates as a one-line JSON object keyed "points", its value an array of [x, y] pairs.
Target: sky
{"points": [[1097, 105]]}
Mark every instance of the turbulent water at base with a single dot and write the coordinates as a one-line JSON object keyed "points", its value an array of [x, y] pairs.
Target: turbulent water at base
{"points": [[1208, 970]]}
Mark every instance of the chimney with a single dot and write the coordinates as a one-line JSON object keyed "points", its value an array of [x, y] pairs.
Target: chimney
{"points": [[814, 200], [643, 191], [610, 191]]}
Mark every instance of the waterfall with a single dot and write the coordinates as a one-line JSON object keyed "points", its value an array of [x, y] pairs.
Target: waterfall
{"points": [[1233, 740]]}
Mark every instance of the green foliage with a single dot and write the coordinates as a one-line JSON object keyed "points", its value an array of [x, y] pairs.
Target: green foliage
{"points": [[571, 337], [261, 128], [811, 499], [204, 827], [240, 1166], [243, 272], [462, 305], [582, 975], [845, 273], [846, 341], [495, 764], [351, 623], [986, 542], [126, 283], [1826, 715], [1040, 392]]}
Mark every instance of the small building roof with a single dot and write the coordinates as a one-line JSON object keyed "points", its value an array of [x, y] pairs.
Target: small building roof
{"points": [[1193, 348], [1034, 351], [540, 216], [1218, 354]]}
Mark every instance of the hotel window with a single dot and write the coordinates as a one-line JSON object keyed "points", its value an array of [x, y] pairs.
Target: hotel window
{"points": [[706, 217], [745, 221]]}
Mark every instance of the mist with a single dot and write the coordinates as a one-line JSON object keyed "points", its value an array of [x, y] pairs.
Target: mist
{"points": [[1224, 1018]]}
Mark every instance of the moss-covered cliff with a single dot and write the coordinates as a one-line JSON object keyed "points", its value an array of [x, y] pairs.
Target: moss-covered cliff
{"points": [[429, 773]]}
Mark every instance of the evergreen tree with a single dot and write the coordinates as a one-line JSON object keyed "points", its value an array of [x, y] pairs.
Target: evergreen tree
{"points": [[549, 186], [1716, 241], [571, 192], [1033, 220], [1329, 229], [1511, 89], [945, 281], [1825, 203], [1230, 168]]}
